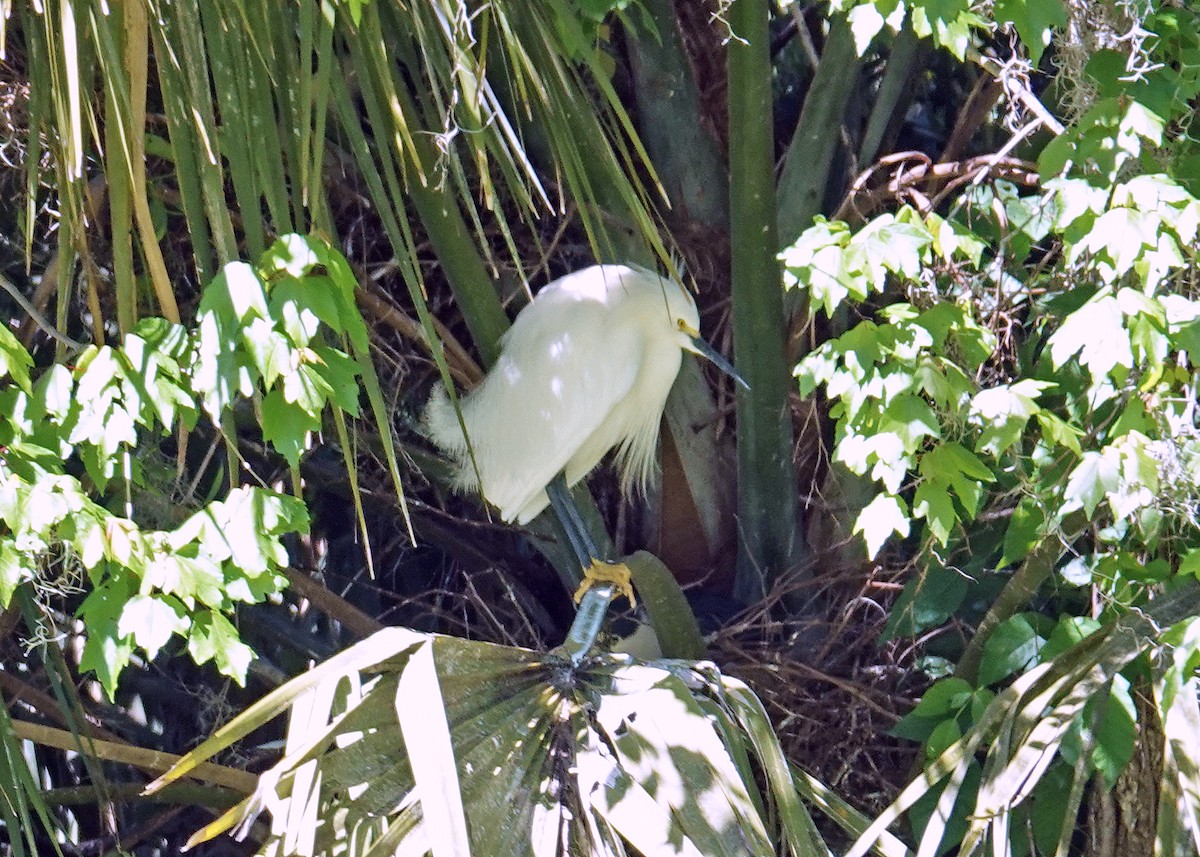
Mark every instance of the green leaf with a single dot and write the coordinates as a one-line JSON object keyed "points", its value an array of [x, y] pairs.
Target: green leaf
{"points": [[52, 392], [106, 651], [213, 638], [270, 352], [1190, 564], [1034, 20], [1013, 646], [929, 599], [883, 516], [1106, 67], [14, 359], [1116, 734], [286, 426], [292, 255], [946, 697], [1059, 431], [1025, 529], [1069, 631], [340, 374], [251, 521], [150, 622], [817, 262], [1122, 235], [1096, 332], [951, 465], [235, 296], [887, 244], [221, 372], [1095, 476], [192, 579], [1003, 412], [865, 23], [1140, 121], [951, 238], [154, 375], [315, 295], [932, 502], [911, 419], [305, 387], [15, 569], [1139, 485], [290, 309], [945, 734]]}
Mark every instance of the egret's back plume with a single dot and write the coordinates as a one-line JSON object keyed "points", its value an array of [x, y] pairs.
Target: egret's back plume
{"points": [[586, 367]]}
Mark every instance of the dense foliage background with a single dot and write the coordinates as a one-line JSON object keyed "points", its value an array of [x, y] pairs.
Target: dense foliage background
{"points": [[949, 539]]}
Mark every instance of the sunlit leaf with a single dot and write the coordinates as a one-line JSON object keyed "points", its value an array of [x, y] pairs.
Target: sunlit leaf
{"points": [[882, 516]]}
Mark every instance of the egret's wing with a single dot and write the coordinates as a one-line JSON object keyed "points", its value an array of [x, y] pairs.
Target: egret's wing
{"points": [[561, 373]]}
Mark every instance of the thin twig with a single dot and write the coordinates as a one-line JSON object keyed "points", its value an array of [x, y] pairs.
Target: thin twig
{"points": [[37, 318]]}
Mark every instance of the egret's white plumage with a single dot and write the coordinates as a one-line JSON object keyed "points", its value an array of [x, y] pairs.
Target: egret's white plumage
{"points": [[586, 367]]}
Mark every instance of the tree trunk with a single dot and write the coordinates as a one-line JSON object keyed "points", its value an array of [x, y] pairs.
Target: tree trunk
{"points": [[1122, 822]]}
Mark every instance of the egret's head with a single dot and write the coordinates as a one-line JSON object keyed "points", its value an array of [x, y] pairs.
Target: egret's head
{"points": [[644, 285], [693, 342]]}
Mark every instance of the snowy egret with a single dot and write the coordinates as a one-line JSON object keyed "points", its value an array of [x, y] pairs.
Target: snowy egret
{"points": [[585, 368]]}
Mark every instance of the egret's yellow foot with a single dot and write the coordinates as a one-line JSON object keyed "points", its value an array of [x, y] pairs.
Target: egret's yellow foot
{"points": [[616, 573]]}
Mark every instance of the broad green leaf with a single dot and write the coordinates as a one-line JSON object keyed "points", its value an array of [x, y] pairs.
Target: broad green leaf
{"points": [[911, 419], [1113, 734], [1122, 235], [929, 599], [269, 350], [52, 392], [1096, 332], [946, 697], [193, 579], [952, 466], [865, 23], [150, 622], [932, 502], [1034, 20], [251, 520], [1139, 484], [340, 374], [882, 516], [286, 426], [1002, 413], [1095, 476], [235, 296], [1190, 563], [213, 638], [1060, 431], [314, 296], [1015, 645], [1025, 529], [14, 359], [1069, 631], [15, 569], [951, 238], [888, 245], [222, 371], [289, 307], [306, 388], [106, 652]]}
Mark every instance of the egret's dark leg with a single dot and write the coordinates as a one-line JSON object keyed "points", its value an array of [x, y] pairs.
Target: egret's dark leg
{"points": [[582, 544], [594, 604]]}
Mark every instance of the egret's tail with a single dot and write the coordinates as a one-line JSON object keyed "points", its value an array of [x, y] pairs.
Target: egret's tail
{"points": [[441, 423]]}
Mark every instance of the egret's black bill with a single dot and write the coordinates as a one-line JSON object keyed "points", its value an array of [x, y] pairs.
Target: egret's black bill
{"points": [[718, 360]]}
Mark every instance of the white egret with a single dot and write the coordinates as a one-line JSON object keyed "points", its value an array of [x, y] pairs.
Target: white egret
{"points": [[585, 368]]}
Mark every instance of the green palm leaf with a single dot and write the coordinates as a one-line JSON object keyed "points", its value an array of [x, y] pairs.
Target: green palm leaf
{"points": [[462, 747]]}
